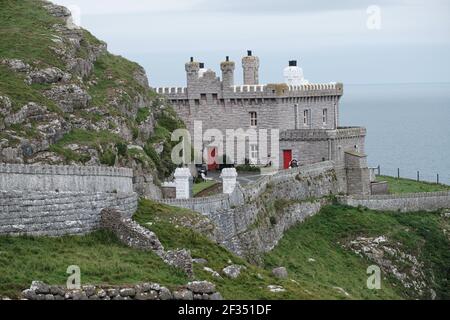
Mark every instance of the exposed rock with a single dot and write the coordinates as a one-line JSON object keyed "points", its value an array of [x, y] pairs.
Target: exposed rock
{"points": [[165, 294], [5, 106], [212, 272], [233, 271], [180, 258], [69, 97], [128, 292], [48, 75], [280, 272], [392, 260], [201, 287], [275, 288], [183, 294], [342, 291], [29, 112], [141, 77], [200, 261], [16, 65], [40, 287], [56, 10]]}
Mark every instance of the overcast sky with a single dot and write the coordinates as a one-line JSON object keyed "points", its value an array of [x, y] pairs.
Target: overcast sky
{"points": [[330, 39]]}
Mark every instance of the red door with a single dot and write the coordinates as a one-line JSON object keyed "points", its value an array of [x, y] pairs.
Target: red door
{"points": [[287, 158], [212, 159]]}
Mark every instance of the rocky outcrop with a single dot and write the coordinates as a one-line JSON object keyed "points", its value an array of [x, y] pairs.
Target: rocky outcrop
{"points": [[198, 290], [48, 75], [392, 260], [134, 235], [69, 97]]}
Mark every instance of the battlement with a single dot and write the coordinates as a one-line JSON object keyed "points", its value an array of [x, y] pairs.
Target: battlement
{"points": [[263, 91], [322, 134]]}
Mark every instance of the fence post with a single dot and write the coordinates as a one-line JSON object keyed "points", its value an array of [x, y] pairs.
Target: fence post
{"points": [[398, 173], [379, 170], [437, 180], [418, 176]]}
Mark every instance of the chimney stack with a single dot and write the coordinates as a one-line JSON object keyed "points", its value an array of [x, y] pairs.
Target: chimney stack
{"points": [[250, 64]]}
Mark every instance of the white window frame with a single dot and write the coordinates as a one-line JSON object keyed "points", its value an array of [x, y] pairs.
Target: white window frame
{"points": [[253, 119], [324, 116], [306, 117], [253, 154]]}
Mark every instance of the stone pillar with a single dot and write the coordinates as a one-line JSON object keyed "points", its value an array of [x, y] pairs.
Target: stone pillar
{"points": [[229, 176], [183, 183]]}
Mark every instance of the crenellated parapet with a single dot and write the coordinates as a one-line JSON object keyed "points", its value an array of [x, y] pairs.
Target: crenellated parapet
{"points": [[263, 91], [322, 134]]}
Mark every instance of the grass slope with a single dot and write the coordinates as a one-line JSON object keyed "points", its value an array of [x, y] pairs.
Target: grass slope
{"points": [[321, 238], [403, 185], [103, 260]]}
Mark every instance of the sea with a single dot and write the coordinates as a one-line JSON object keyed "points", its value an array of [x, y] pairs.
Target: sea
{"points": [[408, 127]]}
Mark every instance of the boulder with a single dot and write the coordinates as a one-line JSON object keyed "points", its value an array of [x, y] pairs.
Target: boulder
{"points": [[233, 271], [183, 294], [280, 272], [5, 106], [201, 287], [48, 75], [69, 97], [16, 65], [40, 287]]}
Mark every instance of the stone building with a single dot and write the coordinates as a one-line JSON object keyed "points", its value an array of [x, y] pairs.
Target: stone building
{"points": [[306, 114]]}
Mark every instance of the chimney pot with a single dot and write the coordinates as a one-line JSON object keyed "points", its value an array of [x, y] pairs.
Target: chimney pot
{"points": [[293, 63], [249, 53], [192, 59], [202, 65]]}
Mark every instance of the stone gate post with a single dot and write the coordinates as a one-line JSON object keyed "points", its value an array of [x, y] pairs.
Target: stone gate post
{"points": [[229, 176], [183, 183]]}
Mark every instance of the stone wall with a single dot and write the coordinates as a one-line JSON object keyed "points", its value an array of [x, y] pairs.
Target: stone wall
{"points": [[59, 200], [196, 290], [58, 213], [65, 178], [243, 223], [408, 202]]}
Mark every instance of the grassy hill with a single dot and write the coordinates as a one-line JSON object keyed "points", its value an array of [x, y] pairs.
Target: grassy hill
{"points": [[317, 255], [97, 106]]}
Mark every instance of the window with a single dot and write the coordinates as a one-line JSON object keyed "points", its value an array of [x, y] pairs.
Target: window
{"points": [[203, 96], [253, 154], [305, 117], [325, 116], [214, 96], [253, 119]]}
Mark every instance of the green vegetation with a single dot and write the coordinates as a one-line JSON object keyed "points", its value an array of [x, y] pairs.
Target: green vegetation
{"points": [[199, 187], [248, 168], [403, 185], [103, 260], [25, 30], [323, 236], [97, 140], [100, 255]]}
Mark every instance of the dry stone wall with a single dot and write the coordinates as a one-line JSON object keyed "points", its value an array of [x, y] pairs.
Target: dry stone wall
{"points": [[60, 200], [408, 202]]}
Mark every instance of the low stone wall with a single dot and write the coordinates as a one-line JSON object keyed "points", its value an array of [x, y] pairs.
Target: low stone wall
{"points": [[39, 178], [58, 213], [58, 200], [408, 202], [241, 223], [196, 290]]}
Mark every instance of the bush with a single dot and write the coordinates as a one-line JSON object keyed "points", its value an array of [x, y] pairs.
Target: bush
{"points": [[108, 158]]}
